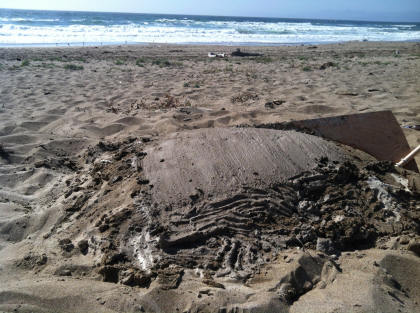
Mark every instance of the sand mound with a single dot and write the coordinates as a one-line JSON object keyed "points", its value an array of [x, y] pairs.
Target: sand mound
{"points": [[184, 167], [217, 192]]}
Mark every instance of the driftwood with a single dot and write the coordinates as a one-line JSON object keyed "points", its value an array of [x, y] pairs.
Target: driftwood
{"points": [[347, 93], [239, 53], [216, 55]]}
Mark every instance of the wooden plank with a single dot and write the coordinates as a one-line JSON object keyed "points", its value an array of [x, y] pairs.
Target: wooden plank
{"points": [[376, 133]]}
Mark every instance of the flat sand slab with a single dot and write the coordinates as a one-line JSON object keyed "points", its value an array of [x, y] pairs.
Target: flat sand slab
{"points": [[219, 161]]}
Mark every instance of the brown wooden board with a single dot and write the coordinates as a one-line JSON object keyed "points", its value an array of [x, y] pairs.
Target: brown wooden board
{"points": [[376, 133]]}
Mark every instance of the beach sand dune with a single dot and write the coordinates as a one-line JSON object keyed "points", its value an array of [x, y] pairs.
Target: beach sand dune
{"points": [[132, 179]]}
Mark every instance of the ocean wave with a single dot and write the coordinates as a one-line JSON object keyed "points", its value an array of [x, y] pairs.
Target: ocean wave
{"points": [[26, 20], [112, 27], [245, 31], [405, 26], [13, 34]]}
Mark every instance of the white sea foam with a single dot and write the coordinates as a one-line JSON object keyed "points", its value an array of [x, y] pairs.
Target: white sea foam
{"points": [[143, 33], [96, 27]]}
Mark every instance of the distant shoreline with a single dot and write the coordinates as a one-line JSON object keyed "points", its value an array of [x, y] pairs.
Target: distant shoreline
{"points": [[263, 44]]}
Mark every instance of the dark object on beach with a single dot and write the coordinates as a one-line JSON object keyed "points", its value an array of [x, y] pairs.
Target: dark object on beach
{"points": [[326, 65], [239, 53], [415, 127], [274, 103], [346, 93], [4, 153]]}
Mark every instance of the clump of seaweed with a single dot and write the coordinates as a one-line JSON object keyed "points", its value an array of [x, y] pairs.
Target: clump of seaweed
{"points": [[244, 97], [73, 67], [170, 102], [4, 153], [165, 63], [263, 59], [140, 62]]}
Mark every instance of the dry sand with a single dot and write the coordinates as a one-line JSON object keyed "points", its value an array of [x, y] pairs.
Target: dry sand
{"points": [[123, 186]]}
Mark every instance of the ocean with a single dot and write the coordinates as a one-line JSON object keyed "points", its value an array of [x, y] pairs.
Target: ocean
{"points": [[50, 28]]}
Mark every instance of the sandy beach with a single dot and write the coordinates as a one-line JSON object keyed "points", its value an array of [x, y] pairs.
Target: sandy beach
{"points": [[132, 179]]}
